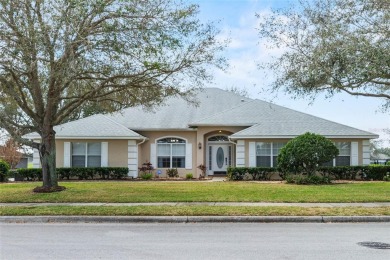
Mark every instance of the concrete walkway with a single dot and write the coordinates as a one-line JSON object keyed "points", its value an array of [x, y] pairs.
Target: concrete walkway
{"points": [[243, 204]]}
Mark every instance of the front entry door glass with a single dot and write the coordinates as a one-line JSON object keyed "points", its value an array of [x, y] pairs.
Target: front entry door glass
{"points": [[219, 157]]}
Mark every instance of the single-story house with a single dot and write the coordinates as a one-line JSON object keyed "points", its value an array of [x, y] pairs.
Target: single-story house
{"points": [[223, 129]]}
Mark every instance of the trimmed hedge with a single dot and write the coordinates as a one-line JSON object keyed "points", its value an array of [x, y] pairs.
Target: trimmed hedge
{"points": [[250, 173], [372, 172], [114, 173]]}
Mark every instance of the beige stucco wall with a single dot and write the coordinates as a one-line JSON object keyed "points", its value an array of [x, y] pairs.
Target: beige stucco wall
{"points": [[194, 137], [117, 151]]}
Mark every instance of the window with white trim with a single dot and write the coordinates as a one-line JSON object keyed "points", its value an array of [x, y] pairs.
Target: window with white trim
{"points": [[267, 153], [344, 157], [86, 154], [171, 153], [263, 154]]}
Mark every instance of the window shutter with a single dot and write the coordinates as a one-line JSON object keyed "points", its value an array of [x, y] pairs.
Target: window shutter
{"points": [[104, 155], [252, 154], [354, 153], [188, 156], [153, 156], [67, 154]]}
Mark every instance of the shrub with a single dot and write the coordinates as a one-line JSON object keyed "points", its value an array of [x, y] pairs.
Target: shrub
{"points": [[146, 176], [145, 168], [4, 168], [116, 173], [250, 173], [172, 173], [307, 179], [387, 177], [33, 174], [189, 176], [305, 153]]}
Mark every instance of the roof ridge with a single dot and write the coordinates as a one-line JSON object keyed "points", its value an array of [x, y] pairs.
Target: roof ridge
{"points": [[224, 111]]}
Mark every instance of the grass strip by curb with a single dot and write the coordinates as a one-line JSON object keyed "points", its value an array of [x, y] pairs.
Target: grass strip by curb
{"points": [[190, 211]]}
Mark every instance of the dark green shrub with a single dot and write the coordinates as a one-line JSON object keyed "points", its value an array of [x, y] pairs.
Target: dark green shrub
{"points": [[77, 173], [172, 173], [305, 153], [4, 169], [189, 176], [307, 179], [33, 174], [387, 177], [377, 172], [256, 173]]}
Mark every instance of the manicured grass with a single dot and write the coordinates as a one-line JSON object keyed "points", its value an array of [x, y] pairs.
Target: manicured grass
{"points": [[123, 191], [190, 211]]}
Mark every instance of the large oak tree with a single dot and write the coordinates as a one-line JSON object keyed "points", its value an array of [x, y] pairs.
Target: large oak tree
{"points": [[62, 59], [331, 46]]}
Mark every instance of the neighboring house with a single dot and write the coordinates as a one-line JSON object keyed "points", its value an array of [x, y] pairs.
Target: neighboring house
{"points": [[223, 129], [24, 158], [379, 158]]}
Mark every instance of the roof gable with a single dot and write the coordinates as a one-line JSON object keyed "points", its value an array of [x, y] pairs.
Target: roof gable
{"points": [[96, 126]]}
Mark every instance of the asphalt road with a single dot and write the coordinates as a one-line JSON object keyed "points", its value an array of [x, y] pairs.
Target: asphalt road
{"points": [[194, 241]]}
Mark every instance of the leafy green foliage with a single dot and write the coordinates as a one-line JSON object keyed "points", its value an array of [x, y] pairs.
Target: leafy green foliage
{"points": [[172, 173], [331, 46], [61, 60], [4, 168], [376, 172], [307, 179], [77, 173], [146, 176], [256, 173], [305, 153], [189, 176]]}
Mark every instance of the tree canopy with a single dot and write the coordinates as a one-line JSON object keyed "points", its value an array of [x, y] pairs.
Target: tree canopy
{"points": [[331, 46], [305, 153], [62, 59]]}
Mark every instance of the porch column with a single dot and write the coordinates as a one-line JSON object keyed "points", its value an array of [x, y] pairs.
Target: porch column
{"points": [[132, 158], [240, 153]]}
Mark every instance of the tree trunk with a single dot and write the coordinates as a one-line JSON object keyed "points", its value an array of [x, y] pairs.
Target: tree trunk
{"points": [[47, 151]]}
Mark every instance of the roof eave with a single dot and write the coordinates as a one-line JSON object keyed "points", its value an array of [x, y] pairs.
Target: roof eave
{"points": [[293, 136]]}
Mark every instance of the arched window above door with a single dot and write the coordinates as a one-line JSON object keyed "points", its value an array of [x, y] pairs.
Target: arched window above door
{"points": [[218, 138]]}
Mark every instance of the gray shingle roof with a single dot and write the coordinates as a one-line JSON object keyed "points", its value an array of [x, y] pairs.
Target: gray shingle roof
{"points": [[176, 113], [215, 107], [96, 126]]}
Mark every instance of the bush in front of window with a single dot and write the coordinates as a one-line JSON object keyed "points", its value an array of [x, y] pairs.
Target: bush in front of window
{"points": [[305, 153], [171, 173], [114, 173], [376, 173]]}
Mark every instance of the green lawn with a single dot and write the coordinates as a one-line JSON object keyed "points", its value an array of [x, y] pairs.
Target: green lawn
{"points": [[123, 191], [190, 211]]}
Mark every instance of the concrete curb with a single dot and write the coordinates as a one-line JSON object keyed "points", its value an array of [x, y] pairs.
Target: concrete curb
{"points": [[193, 219]]}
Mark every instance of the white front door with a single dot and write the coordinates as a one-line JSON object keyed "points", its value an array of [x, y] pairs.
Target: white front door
{"points": [[220, 157]]}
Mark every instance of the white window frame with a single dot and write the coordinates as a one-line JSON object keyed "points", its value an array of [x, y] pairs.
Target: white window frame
{"points": [[271, 153], [86, 153], [171, 152]]}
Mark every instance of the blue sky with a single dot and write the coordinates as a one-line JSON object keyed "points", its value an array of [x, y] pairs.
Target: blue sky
{"points": [[237, 21]]}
